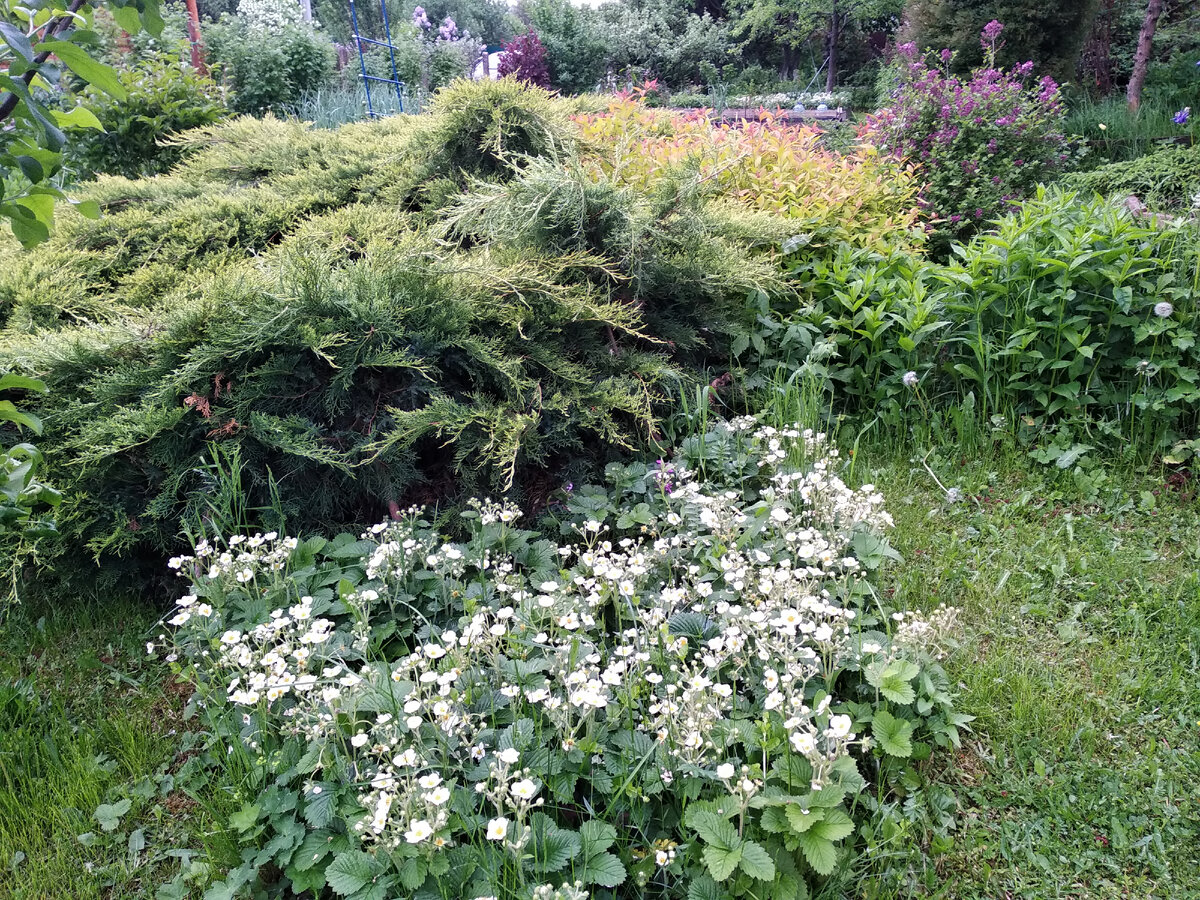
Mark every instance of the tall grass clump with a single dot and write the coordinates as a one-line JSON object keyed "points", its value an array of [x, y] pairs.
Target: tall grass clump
{"points": [[1114, 133]]}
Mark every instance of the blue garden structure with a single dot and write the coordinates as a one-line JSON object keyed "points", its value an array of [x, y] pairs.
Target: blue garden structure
{"points": [[359, 40]]}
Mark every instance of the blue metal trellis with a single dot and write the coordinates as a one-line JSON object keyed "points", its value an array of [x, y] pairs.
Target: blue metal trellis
{"points": [[359, 40]]}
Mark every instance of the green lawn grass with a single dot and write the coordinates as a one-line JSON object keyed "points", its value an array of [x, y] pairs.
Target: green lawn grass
{"points": [[86, 720], [1080, 662], [1081, 648]]}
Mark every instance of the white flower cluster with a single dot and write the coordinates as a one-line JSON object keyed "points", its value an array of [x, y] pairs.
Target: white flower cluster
{"points": [[246, 557], [789, 99], [930, 632], [723, 606], [271, 15]]}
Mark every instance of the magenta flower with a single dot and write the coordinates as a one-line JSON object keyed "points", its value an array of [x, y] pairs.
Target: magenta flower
{"points": [[991, 31]]}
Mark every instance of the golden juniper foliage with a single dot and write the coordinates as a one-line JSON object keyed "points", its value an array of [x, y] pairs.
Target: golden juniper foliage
{"points": [[392, 311]]}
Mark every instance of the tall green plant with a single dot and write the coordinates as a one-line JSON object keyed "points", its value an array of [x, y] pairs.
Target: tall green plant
{"points": [[23, 497]]}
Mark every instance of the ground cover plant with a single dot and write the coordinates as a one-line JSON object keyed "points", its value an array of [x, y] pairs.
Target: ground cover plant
{"points": [[699, 662], [1071, 321], [162, 99]]}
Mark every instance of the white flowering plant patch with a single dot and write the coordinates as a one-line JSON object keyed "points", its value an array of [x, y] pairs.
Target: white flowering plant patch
{"points": [[679, 699]]}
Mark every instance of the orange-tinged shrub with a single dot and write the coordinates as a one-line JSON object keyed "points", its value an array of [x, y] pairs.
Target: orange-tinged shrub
{"points": [[862, 197]]}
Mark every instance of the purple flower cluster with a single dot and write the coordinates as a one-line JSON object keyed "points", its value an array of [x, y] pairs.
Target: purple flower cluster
{"points": [[983, 141], [448, 30], [420, 19], [990, 34]]}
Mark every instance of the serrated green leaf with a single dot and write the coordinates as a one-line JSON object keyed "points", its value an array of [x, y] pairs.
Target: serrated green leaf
{"points": [[818, 851], [314, 848], [834, 826], [756, 862], [803, 818], [596, 836], [604, 869], [319, 807], [774, 820], [350, 871], [893, 734], [714, 830], [704, 888], [721, 862], [551, 847], [412, 873]]}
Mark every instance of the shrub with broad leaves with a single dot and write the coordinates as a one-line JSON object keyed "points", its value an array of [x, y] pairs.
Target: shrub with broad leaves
{"points": [[163, 97], [678, 698], [983, 143], [525, 58]]}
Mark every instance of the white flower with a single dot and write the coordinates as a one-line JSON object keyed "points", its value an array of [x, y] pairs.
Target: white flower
{"points": [[662, 857], [429, 782], [725, 771], [509, 756], [231, 637], [359, 740], [909, 379], [803, 742], [497, 829], [418, 831], [524, 789], [839, 726], [1163, 309], [438, 796]]}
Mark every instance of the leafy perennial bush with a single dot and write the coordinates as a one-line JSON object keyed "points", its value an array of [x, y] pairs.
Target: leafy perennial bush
{"points": [[982, 144], [860, 197], [162, 99], [676, 702], [1073, 312]]}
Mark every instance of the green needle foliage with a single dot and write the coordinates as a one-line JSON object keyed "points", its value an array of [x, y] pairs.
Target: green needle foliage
{"points": [[364, 334]]}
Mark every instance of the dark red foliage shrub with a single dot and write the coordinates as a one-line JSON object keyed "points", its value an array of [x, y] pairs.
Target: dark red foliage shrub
{"points": [[525, 57]]}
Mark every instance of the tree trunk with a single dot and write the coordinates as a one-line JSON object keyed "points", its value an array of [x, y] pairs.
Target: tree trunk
{"points": [[1141, 59], [194, 38], [306, 10], [787, 65], [834, 29]]}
